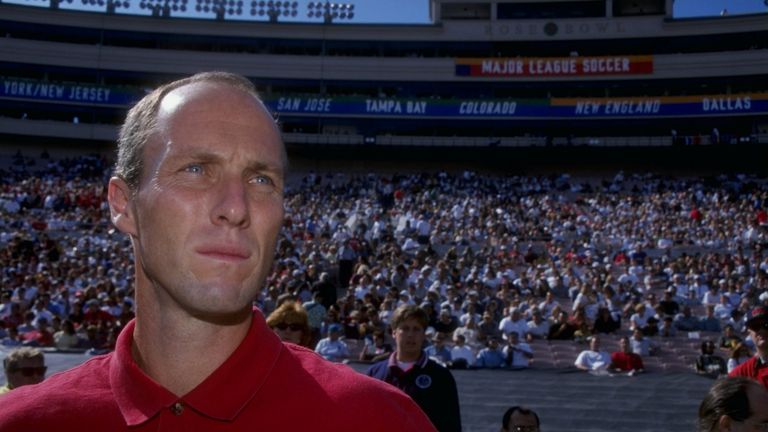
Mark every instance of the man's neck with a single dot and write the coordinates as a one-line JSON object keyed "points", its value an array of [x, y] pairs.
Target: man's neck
{"points": [[407, 357], [167, 346]]}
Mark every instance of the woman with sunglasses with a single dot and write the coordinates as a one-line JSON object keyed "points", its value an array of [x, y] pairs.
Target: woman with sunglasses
{"points": [[291, 324]]}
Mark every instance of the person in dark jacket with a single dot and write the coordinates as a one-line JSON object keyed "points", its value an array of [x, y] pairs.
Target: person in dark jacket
{"points": [[429, 384]]}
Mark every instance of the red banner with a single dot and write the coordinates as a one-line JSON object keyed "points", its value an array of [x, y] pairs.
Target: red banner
{"points": [[554, 66]]}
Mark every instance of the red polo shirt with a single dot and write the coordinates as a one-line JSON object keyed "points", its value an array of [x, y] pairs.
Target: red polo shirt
{"points": [[753, 368], [263, 385], [626, 361]]}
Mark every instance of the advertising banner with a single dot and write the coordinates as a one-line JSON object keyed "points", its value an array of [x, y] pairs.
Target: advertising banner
{"points": [[540, 67]]}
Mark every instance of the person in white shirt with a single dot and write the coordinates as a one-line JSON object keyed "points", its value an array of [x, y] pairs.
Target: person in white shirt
{"points": [[332, 348], [723, 309], [461, 354], [593, 360], [518, 354], [514, 322], [538, 328]]}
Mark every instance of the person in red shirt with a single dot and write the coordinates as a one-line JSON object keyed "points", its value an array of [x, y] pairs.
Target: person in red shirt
{"points": [[198, 188], [625, 360], [94, 315], [41, 336], [756, 367]]}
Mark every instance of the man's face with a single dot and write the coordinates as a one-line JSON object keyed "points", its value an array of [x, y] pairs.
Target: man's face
{"points": [[519, 422], [409, 338], [624, 345], [758, 401], [759, 333], [206, 214], [27, 371], [594, 344]]}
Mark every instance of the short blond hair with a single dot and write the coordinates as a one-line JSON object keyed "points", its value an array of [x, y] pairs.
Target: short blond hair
{"points": [[16, 356]]}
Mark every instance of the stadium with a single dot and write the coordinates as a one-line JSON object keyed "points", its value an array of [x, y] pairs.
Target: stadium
{"points": [[523, 109]]}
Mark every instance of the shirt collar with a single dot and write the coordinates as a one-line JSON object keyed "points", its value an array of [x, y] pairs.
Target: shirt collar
{"points": [[421, 362], [234, 383]]}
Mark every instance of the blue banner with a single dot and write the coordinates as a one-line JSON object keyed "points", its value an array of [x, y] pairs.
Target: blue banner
{"points": [[91, 94], [436, 108]]}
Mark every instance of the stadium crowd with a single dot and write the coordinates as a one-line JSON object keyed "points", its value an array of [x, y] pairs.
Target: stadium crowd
{"points": [[497, 262]]}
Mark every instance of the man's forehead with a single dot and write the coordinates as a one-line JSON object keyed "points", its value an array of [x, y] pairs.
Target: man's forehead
{"points": [[205, 95]]}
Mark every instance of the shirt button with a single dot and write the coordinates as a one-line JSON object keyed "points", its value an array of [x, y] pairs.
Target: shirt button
{"points": [[177, 408]]}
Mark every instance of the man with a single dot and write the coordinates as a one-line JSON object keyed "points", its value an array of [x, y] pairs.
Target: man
{"points": [[332, 348], [490, 357], [513, 323], [686, 321], [198, 188], [432, 386], [538, 328], [734, 405], [625, 360], [708, 363], [315, 315], [438, 351], [593, 360], [520, 419], [23, 366], [756, 367], [518, 354]]}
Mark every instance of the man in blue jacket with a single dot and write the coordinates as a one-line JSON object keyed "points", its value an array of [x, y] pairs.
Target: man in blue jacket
{"points": [[430, 385]]}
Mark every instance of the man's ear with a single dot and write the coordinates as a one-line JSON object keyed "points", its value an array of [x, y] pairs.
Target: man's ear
{"points": [[724, 424], [119, 196]]}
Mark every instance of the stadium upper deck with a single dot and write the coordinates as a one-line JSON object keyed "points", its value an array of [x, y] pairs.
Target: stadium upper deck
{"points": [[481, 69]]}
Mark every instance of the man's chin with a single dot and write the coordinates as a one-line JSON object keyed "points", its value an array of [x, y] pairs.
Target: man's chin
{"points": [[224, 317]]}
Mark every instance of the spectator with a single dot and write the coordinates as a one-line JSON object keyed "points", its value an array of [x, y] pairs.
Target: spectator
{"points": [[667, 327], [640, 344], [23, 366], [438, 351], [604, 323], [710, 323], [469, 331], [490, 357], [488, 328], [734, 404], [643, 319], [757, 325], [513, 322], [462, 356], [560, 327], [316, 312], [593, 360], [289, 321], [625, 360], [66, 338], [447, 323], [518, 354], [12, 339], [376, 348], [728, 340], [686, 321], [709, 363], [332, 348], [40, 337], [430, 385], [520, 419], [739, 355], [538, 328]]}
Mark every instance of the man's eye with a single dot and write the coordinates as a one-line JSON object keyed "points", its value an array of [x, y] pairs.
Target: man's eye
{"points": [[262, 180], [194, 169]]}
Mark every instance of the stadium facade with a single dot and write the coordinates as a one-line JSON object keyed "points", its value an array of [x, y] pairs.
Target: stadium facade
{"points": [[610, 73]]}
